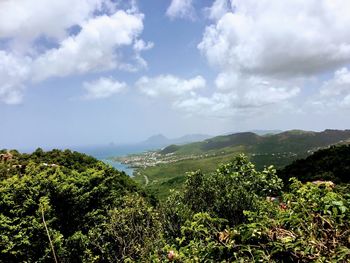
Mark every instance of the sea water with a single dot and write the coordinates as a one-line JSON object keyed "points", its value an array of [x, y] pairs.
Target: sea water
{"points": [[119, 166], [106, 154]]}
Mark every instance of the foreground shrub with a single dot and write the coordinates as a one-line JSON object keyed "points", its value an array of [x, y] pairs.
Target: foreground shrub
{"points": [[93, 213], [311, 223], [74, 195], [235, 215], [226, 193], [131, 232]]}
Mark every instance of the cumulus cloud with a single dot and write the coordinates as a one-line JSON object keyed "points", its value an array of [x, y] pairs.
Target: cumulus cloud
{"points": [[346, 101], [266, 95], [141, 45], [103, 88], [93, 49], [181, 9], [13, 71], [170, 86], [266, 51], [338, 85], [232, 95], [63, 38], [29, 19], [335, 92], [273, 38], [218, 9], [245, 96], [217, 105]]}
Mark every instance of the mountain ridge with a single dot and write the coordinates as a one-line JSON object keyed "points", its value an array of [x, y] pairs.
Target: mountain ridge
{"points": [[160, 141], [288, 141]]}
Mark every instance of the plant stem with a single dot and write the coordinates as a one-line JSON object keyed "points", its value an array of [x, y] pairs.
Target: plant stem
{"points": [[48, 234]]}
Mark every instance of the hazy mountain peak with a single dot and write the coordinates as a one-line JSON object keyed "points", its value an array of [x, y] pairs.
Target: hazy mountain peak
{"points": [[156, 138]]}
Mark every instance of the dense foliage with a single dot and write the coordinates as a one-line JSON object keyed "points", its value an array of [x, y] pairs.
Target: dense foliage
{"points": [[278, 150], [94, 213], [295, 141], [332, 164], [75, 193], [240, 215], [230, 190], [311, 224]]}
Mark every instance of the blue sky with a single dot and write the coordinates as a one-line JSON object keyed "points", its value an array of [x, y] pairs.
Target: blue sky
{"points": [[78, 72]]}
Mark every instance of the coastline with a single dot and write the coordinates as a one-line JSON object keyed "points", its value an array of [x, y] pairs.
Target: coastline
{"points": [[120, 166]]}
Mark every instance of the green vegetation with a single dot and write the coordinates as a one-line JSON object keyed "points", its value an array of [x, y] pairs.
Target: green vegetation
{"points": [[74, 193], [229, 217], [78, 209], [162, 178], [327, 164], [279, 150], [295, 141], [311, 224]]}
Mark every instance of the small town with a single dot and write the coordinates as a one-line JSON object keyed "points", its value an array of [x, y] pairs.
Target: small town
{"points": [[153, 158]]}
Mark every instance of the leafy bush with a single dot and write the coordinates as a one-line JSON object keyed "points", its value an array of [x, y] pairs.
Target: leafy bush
{"points": [[332, 163], [229, 191], [309, 224], [94, 213], [230, 217], [131, 232], [74, 199]]}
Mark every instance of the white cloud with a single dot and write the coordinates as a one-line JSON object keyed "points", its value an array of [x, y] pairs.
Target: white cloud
{"points": [[265, 95], [227, 81], [218, 9], [29, 19], [39, 42], [274, 38], [346, 101], [141, 45], [93, 49], [181, 9], [338, 85], [13, 71], [266, 50], [102, 88], [218, 105], [335, 92], [170, 86], [233, 94], [243, 97]]}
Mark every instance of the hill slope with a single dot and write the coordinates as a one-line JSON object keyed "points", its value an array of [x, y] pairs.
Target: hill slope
{"points": [[277, 149], [326, 164], [295, 141], [159, 141]]}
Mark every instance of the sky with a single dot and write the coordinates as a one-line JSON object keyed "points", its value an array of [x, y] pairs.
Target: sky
{"points": [[87, 72]]}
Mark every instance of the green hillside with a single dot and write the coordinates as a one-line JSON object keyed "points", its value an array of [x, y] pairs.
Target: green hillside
{"points": [[295, 141], [162, 178], [327, 164], [276, 149]]}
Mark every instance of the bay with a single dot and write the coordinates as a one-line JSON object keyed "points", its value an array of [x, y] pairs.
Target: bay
{"points": [[106, 153], [119, 166]]}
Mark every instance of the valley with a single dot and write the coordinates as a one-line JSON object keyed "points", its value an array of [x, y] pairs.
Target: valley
{"points": [[162, 170]]}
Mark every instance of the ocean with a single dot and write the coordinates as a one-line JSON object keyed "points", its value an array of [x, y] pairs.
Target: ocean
{"points": [[104, 153]]}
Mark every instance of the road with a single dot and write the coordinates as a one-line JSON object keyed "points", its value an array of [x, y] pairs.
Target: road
{"points": [[146, 179]]}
